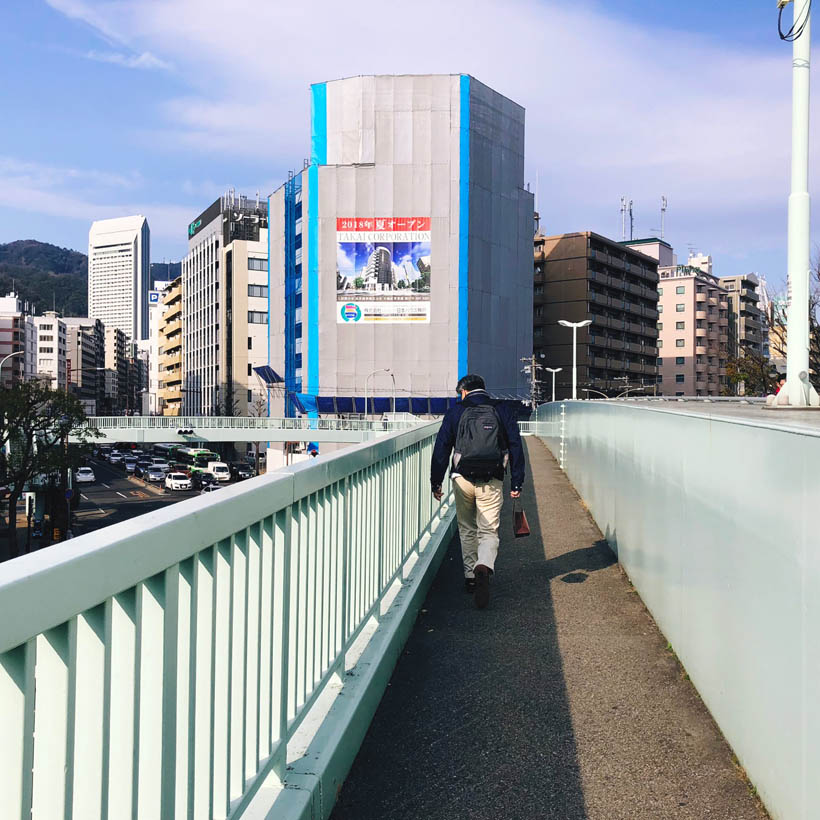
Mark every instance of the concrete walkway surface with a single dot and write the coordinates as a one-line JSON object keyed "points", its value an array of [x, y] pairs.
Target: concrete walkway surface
{"points": [[560, 700]]}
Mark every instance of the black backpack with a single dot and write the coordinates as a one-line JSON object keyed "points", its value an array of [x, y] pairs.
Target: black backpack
{"points": [[480, 447]]}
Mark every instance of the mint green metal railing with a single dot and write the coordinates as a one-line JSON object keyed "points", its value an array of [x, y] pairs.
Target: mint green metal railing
{"points": [[160, 667]]}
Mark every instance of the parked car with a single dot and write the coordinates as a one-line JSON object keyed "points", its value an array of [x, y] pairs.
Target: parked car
{"points": [[153, 474], [209, 488], [177, 481], [130, 464], [240, 470], [84, 475]]}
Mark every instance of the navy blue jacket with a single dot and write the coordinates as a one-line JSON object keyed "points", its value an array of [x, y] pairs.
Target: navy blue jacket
{"points": [[449, 429]]}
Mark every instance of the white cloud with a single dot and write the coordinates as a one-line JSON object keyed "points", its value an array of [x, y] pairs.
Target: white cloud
{"points": [[612, 108], [146, 60], [69, 193]]}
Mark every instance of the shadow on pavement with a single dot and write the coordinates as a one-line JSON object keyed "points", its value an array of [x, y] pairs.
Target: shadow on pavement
{"points": [[475, 722]]}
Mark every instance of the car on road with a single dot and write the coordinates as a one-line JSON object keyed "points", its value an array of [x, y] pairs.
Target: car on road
{"points": [[153, 474], [84, 475], [209, 488], [201, 480], [37, 528], [177, 481], [142, 465], [219, 470], [240, 470], [130, 464], [115, 457], [162, 465]]}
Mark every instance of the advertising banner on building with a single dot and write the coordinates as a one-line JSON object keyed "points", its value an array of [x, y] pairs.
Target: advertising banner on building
{"points": [[383, 270]]}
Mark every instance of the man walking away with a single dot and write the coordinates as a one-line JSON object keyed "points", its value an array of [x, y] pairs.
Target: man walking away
{"points": [[483, 437]]}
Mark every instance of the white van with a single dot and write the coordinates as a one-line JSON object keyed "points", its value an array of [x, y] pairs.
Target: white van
{"points": [[219, 470]]}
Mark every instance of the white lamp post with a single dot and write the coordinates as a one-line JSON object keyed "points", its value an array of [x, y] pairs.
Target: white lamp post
{"points": [[6, 358], [574, 326], [380, 370], [553, 370], [798, 387]]}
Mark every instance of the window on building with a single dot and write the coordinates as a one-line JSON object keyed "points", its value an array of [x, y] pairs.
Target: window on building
{"points": [[660, 291], [680, 360], [250, 343], [257, 264], [679, 342], [659, 362], [679, 325], [680, 289], [680, 308], [250, 369], [258, 290], [660, 325], [250, 396], [660, 342], [660, 308], [679, 378], [257, 317]]}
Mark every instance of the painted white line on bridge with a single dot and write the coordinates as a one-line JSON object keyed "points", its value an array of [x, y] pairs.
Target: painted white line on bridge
{"points": [[106, 486], [120, 494], [84, 497]]}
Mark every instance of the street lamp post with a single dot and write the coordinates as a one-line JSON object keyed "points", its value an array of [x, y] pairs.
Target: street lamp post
{"points": [[6, 358], [798, 388], [574, 326], [553, 370], [369, 375]]}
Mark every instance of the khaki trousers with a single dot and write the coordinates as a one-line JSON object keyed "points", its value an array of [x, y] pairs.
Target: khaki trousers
{"points": [[478, 509]]}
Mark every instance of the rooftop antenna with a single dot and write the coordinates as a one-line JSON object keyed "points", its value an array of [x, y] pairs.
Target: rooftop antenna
{"points": [[536, 190], [623, 219], [663, 215], [631, 222]]}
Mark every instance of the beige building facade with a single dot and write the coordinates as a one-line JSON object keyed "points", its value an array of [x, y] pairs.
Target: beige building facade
{"points": [[169, 350], [692, 331], [747, 324]]}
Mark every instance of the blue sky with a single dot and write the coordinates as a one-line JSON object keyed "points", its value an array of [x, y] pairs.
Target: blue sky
{"points": [[157, 107]]}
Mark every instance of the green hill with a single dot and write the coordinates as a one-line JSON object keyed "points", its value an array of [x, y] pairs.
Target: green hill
{"points": [[45, 275]]}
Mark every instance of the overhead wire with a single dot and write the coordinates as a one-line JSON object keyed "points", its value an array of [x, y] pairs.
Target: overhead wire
{"points": [[799, 25]]}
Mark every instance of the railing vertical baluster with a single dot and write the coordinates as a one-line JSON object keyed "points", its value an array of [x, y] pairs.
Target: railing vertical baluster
{"points": [[120, 689], [175, 689], [266, 615], [251, 716], [281, 532], [345, 502], [50, 724], [222, 611], [236, 678], [86, 644]]}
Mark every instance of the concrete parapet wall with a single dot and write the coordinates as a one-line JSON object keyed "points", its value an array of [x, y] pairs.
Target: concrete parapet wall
{"points": [[714, 520]]}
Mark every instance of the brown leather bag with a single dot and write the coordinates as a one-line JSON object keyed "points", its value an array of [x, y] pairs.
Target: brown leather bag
{"points": [[521, 529]]}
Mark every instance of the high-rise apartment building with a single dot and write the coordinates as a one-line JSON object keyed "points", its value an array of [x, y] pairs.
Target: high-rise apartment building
{"points": [[170, 350], [692, 330], [85, 361], [747, 324], [225, 306], [404, 245], [51, 349], [18, 334], [119, 253], [150, 347], [585, 276]]}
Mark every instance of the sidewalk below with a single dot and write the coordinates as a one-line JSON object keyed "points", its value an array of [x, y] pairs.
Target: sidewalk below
{"points": [[559, 701]]}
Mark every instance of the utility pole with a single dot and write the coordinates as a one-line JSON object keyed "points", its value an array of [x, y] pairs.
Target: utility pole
{"points": [[663, 216], [532, 367], [798, 391]]}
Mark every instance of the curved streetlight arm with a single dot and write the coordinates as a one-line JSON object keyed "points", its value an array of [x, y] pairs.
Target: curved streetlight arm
{"points": [[631, 390], [589, 390]]}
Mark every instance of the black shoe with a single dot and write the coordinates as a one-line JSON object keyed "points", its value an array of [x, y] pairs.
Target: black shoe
{"points": [[469, 585], [482, 586]]}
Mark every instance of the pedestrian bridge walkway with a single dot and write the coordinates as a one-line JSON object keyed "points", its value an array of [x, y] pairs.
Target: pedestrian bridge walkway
{"points": [[226, 656]]}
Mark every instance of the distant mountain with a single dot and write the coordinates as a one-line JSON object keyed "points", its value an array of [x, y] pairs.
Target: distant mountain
{"points": [[46, 276]]}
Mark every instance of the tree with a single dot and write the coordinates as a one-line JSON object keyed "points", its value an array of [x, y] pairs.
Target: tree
{"points": [[35, 423], [754, 370], [259, 409], [777, 322]]}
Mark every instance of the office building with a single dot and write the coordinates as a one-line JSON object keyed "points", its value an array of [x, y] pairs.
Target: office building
{"points": [[18, 334], [692, 330], [225, 306], [747, 324], [585, 276], [403, 246], [149, 348], [116, 369], [51, 350], [169, 350], [119, 252], [85, 362]]}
